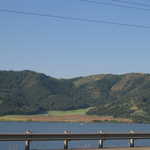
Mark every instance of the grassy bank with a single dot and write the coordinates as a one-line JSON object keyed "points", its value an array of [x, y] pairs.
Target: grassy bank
{"points": [[65, 118], [69, 112], [79, 115]]}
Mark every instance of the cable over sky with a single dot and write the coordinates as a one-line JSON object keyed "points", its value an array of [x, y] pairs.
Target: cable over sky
{"points": [[70, 38], [132, 3], [115, 5], [70, 18]]}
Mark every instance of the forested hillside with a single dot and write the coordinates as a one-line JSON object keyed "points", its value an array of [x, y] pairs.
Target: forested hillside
{"points": [[28, 92]]}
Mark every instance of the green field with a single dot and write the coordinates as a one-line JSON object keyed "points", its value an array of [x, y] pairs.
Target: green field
{"points": [[20, 117], [69, 112], [49, 113], [14, 118], [79, 115]]}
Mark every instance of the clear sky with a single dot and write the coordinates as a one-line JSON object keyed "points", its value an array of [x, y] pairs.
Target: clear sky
{"points": [[64, 48]]}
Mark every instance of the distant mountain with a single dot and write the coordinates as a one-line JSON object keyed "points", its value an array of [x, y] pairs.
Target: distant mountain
{"points": [[28, 92]]}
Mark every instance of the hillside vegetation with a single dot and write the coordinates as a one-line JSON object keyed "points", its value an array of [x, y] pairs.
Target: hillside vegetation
{"points": [[119, 96]]}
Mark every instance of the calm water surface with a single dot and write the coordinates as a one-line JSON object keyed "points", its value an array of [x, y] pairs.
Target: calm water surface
{"points": [[17, 127]]}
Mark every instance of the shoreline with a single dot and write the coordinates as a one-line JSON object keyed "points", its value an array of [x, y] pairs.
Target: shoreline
{"points": [[66, 118]]}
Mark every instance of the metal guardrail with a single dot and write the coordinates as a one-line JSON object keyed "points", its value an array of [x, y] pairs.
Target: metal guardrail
{"points": [[68, 136]]}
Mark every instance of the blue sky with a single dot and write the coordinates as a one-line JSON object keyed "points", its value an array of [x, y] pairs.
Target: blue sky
{"points": [[64, 48]]}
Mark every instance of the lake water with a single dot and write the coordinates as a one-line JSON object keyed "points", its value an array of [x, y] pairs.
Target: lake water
{"points": [[17, 127]]}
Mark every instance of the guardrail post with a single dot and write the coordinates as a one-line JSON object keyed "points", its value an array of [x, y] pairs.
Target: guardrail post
{"points": [[27, 143], [131, 141], [100, 142], [66, 141]]}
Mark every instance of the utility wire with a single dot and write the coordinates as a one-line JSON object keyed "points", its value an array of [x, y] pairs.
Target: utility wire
{"points": [[132, 3], [113, 4], [74, 18], [147, 1]]}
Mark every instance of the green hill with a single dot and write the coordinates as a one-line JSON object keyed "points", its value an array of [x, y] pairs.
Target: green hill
{"points": [[28, 92]]}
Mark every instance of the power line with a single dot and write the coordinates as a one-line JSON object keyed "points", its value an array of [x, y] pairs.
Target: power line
{"points": [[74, 18], [113, 4], [132, 3], [147, 1]]}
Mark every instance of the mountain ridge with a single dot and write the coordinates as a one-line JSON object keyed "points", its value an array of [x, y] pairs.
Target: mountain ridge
{"points": [[28, 92]]}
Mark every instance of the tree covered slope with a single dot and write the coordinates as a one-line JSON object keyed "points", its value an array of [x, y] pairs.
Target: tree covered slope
{"points": [[28, 92]]}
